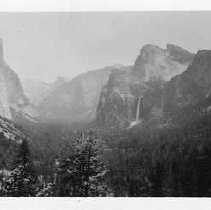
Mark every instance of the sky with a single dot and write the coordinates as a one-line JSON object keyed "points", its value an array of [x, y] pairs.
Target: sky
{"points": [[43, 46]]}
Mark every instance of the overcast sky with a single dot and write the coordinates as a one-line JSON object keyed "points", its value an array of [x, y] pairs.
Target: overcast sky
{"points": [[46, 45]]}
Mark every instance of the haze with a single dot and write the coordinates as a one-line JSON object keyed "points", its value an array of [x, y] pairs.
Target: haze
{"points": [[44, 46]]}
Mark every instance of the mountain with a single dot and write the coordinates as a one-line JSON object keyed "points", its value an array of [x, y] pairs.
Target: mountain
{"points": [[154, 63], [35, 90], [190, 87], [75, 101], [135, 95], [13, 101]]}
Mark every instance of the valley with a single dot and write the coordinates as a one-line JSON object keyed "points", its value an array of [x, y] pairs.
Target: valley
{"points": [[139, 130]]}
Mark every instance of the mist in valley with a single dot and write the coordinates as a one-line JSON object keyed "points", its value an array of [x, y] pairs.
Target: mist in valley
{"points": [[105, 104]]}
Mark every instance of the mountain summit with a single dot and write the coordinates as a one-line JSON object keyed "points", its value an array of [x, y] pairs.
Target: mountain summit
{"points": [[155, 63]]}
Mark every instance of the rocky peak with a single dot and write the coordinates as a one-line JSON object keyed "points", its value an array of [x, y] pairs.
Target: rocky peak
{"points": [[203, 58], [155, 63], [200, 70], [179, 54], [148, 53]]}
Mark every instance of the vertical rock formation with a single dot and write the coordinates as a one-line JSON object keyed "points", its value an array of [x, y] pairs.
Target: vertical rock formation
{"points": [[192, 86], [152, 69], [12, 97], [75, 101]]}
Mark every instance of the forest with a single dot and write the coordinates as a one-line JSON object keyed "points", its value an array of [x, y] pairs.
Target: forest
{"points": [[162, 162]]}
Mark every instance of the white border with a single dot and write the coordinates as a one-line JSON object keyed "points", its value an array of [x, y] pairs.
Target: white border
{"points": [[104, 203], [102, 5]]}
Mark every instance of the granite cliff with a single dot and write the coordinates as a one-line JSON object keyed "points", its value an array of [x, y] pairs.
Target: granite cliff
{"points": [[153, 68], [13, 101], [75, 101], [190, 87]]}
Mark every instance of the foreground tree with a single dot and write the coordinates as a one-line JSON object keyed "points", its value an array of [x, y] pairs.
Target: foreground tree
{"points": [[82, 174], [22, 180], [46, 190]]}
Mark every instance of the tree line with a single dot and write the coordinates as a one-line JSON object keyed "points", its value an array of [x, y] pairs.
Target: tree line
{"points": [[173, 162], [80, 175]]}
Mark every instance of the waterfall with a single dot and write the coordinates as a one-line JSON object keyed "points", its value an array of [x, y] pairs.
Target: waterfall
{"points": [[137, 120], [138, 109]]}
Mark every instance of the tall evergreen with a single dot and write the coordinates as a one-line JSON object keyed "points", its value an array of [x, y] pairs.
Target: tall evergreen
{"points": [[82, 174], [22, 180]]}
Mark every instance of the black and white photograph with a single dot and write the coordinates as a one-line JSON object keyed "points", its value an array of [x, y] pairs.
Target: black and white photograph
{"points": [[105, 104]]}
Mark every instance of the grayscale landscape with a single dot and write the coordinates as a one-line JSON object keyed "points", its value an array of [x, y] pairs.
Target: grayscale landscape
{"points": [[105, 104]]}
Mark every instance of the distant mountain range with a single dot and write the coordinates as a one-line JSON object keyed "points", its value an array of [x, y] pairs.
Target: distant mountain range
{"points": [[75, 101], [97, 95], [160, 82]]}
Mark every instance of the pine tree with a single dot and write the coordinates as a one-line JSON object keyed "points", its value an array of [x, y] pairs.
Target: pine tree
{"points": [[82, 174], [47, 190], [22, 180]]}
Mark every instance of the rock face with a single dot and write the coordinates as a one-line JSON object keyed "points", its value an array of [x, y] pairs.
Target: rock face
{"points": [[10, 132], [35, 90], [12, 97], [190, 87], [75, 101], [155, 63], [119, 98]]}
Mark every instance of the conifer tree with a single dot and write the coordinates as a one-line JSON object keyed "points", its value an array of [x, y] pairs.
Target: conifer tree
{"points": [[22, 180], [47, 190], [82, 174]]}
